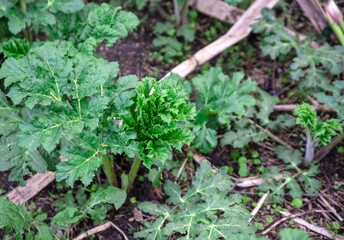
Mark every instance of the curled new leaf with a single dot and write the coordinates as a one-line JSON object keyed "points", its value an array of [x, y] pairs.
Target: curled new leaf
{"points": [[158, 116]]}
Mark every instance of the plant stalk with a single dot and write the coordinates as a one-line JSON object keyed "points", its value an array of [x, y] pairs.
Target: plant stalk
{"points": [[336, 29], [109, 171], [184, 13], [326, 149], [309, 155], [23, 6], [133, 172]]}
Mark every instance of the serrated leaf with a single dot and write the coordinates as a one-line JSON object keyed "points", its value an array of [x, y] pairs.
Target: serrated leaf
{"points": [[293, 158], [333, 97], [67, 217], [140, 4], [266, 107], [15, 48], [169, 47], [65, 6], [187, 32], [242, 136], [312, 185], [95, 206], [81, 163], [205, 140], [105, 22], [163, 27], [15, 217], [173, 190], [10, 117], [18, 159]]}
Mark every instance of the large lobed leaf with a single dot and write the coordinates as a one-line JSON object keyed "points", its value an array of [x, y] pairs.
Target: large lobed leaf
{"points": [[69, 99], [37, 14], [288, 179], [204, 212]]}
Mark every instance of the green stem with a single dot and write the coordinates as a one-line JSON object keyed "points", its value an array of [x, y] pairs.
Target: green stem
{"points": [[325, 150], [185, 9], [133, 172], [23, 6], [109, 171], [336, 29]]}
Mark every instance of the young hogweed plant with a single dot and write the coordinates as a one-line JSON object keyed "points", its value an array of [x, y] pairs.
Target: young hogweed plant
{"points": [[317, 132], [86, 29], [158, 118], [72, 108]]}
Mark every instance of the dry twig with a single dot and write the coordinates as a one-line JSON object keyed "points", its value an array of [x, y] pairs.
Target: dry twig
{"points": [[33, 186], [291, 107], [259, 204], [100, 228], [314, 228], [239, 30], [288, 217]]}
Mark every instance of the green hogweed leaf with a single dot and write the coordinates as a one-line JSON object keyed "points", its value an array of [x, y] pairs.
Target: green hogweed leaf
{"points": [[333, 97], [15, 48], [19, 219], [194, 215], [218, 97]]}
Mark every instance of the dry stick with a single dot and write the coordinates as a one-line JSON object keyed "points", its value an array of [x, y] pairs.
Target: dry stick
{"points": [[323, 202], [291, 107], [238, 31], [217, 9], [100, 228], [181, 169], [33, 186], [259, 205], [316, 229], [220, 10], [288, 217], [315, 13]]}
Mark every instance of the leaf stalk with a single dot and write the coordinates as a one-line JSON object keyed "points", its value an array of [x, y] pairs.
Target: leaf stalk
{"points": [[109, 171], [133, 172]]}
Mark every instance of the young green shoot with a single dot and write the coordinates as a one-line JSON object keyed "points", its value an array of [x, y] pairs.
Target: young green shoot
{"points": [[316, 130]]}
